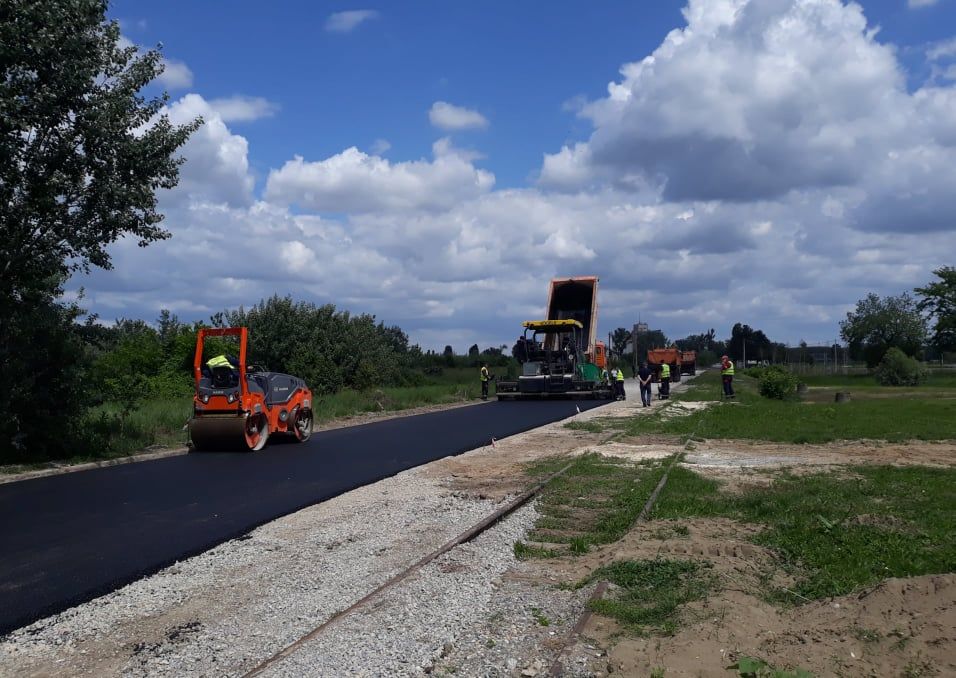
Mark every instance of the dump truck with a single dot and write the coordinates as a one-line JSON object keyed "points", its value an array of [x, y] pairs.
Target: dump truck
{"points": [[656, 357], [688, 362], [560, 355]]}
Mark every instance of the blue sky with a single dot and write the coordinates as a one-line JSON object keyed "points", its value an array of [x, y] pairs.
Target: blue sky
{"points": [[689, 203], [341, 89]]}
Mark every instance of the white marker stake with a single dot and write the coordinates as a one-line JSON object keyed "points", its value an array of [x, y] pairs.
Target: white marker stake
{"points": [[578, 409], [494, 443]]}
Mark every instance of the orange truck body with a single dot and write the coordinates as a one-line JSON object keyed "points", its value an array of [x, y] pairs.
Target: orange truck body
{"points": [[656, 357], [688, 362], [576, 299]]}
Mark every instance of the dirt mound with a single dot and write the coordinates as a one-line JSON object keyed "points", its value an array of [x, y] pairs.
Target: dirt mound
{"points": [[900, 627]]}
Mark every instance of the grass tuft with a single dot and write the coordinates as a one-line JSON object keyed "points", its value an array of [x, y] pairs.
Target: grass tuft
{"points": [[651, 592]]}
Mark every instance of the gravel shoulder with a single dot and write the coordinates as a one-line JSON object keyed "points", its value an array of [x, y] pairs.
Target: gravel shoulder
{"points": [[226, 610]]}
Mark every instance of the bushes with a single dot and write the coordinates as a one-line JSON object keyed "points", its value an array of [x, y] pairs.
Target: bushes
{"points": [[777, 383], [898, 369]]}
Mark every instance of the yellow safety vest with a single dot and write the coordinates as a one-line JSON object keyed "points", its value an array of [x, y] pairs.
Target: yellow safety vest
{"points": [[665, 371], [729, 370], [218, 361], [620, 375], [484, 374]]}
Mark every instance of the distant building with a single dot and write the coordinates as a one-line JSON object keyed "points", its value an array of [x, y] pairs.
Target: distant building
{"points": [[638, 329]]}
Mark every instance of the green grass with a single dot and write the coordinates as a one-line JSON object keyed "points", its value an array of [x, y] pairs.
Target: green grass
{"points": [[159, 422], [838, 534], [651, 592], [937, 379], [589, 426], [595, 502], [349, 403], [754, 417]]}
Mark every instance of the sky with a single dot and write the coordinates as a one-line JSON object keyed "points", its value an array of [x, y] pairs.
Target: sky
{"points": [[435, 164]]}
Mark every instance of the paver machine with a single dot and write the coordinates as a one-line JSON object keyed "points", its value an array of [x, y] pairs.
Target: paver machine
{"points": [[560, 356], [238, 406]]}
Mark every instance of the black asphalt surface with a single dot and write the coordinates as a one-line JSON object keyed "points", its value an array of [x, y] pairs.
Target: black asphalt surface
{"points": [[67, 539]]}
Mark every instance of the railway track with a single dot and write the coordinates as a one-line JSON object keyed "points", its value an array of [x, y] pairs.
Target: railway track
{"points": [[466, 536], [557, 668]]}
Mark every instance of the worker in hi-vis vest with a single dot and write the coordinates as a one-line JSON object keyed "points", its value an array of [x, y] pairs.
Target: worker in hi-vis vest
{"points": [[664, 390], [485, 378], [727, 376], [620, 384]]}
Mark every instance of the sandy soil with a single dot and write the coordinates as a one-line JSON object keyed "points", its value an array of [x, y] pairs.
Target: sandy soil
{"points": [[901, 627]]}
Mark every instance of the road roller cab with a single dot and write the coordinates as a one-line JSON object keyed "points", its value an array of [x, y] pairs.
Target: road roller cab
{"points": [[238, 406]]}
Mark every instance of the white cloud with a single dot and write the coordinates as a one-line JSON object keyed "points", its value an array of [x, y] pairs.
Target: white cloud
{"points": [[217, 165], [449, 117], [765, 164], [353, 181], [243, 108], [942, 49], [346, 22], [175, 75], [380, 146]]}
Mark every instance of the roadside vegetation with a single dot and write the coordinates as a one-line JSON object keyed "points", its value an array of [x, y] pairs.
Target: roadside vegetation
{"points": [[835, 532], [874, 412], [595, 502], [831, 533]]}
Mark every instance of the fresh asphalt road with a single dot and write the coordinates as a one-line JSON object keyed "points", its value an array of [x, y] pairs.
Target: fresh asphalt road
{"points": [[67, 539]]}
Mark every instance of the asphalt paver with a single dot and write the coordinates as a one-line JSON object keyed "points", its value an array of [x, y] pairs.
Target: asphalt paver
{"points": [[69, 538]]}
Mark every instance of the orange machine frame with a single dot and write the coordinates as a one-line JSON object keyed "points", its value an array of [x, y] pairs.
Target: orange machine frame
{"points": [[260, 419]]}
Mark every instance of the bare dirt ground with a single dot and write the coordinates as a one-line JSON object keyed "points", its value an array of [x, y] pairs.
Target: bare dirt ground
{"points": [[903, 627]]}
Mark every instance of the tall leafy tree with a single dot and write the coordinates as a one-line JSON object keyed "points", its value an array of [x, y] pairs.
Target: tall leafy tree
{"points": [[619, 339], [938, 301], [881, 323], [82, 154], [648, 340]]}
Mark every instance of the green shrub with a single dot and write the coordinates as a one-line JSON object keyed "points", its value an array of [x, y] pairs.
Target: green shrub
{"points": [[755, 372], [777, 383], [898, 369]]}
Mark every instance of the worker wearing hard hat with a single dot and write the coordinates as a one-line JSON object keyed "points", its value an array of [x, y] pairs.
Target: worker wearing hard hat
{"points": [[727, 376]]}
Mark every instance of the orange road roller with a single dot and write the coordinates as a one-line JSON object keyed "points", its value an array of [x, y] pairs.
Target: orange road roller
{"points": [[238, 406]]}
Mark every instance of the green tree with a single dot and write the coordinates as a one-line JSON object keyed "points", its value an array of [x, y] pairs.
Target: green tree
{"points": [[938, 301], [880, 323], [619, 339], [82, 153], [648, 340]]}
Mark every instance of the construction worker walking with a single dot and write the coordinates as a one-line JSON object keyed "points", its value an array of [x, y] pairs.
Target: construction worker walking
{"points": [[727, 376], [620, 385], [644, 377], [485, 378], [664, 390]]}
